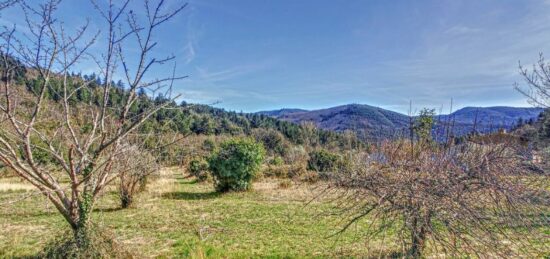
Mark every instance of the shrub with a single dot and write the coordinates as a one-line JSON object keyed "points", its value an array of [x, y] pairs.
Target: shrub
{"points": [[323, 161], [198, 167], [273, 141], [135, 166], [296, 154], [297, 170], [101, 244], [310, 177], [208, 145], [235, 163], [279, 171], [276, 161], [285, 184], [285, 171]]}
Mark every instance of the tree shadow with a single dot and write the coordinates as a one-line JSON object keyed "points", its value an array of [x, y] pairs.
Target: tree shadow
{"points": [[191, 195], [110, 209]]}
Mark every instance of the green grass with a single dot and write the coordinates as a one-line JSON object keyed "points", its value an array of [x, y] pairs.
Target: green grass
{"points": [[177, 217]]}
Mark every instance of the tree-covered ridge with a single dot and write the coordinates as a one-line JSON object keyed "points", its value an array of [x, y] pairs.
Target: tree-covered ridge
{"points": [[186, 118]]}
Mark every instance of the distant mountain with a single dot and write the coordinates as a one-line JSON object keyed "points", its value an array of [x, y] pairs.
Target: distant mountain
{"points": [[374, 123], [486, 119], [368, 121], [281, 112], [497, 116]]}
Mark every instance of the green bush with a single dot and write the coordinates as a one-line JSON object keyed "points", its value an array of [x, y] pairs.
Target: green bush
{"points": [[208, 145], [273, 141], [235, 163], [276, 161], [198, 167], [323, 161]]}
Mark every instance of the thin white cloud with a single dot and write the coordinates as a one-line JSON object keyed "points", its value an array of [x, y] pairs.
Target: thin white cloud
{"points": [[462, 30]]}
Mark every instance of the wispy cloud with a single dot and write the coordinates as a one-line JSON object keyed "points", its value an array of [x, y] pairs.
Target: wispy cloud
{"points": [[207, 75], [462, 30]]}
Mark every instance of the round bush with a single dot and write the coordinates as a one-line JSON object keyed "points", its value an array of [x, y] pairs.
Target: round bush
{"points": [[235, 163], [198, 167]]}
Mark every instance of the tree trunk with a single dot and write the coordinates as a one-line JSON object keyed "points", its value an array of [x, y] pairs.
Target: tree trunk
{"points": [[81, 228], [418, 239], [125, 199]]}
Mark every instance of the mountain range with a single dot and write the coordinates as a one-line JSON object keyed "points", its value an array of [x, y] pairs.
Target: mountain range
{"points": [[374, 123]]}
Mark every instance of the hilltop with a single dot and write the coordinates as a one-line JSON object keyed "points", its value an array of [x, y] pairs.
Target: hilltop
{"points": [[376, 123]]}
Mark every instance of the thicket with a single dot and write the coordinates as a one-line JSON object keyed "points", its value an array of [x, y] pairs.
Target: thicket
{"points": [[324, 161]]}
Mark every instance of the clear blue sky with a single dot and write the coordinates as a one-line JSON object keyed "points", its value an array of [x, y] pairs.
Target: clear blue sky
{"points": [[255, 55]]}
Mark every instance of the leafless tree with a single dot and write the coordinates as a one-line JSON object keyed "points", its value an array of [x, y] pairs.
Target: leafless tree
{"points": [[134, 167], [7, 3], [537, 90], [82, 140], [468, 200]]}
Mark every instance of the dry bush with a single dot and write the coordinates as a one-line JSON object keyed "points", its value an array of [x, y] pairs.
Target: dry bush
{"points": [[467, 200], [134, 168], [285, 184], [296, 155], [294, 171]]}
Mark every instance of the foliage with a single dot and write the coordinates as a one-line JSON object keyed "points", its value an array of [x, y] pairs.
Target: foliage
{"points": [[276, 161], [101, 245], [235, 163], [198, 167], [323, 161], [544, 127], [273, 141], [423, 125]]}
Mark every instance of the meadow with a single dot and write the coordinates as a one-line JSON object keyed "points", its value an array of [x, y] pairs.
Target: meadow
{"points": [[178, 217]]}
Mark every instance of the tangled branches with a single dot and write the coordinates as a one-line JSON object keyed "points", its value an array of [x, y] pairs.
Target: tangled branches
{"points": [[470, 199]]}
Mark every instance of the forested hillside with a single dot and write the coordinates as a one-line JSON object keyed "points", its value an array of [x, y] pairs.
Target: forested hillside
{"points": [[185, 118], [375, 124]]}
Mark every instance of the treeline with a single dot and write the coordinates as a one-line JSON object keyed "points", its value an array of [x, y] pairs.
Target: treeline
{"points": [[185, 118]]}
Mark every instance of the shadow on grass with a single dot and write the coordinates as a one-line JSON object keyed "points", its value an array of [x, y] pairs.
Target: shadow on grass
{"points": [[191, 195], [110, 209]]}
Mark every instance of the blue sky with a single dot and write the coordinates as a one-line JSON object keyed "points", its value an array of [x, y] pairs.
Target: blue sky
{"points": [[255, 55]]}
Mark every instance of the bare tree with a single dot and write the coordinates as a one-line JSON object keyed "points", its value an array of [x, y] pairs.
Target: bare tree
{"points": [[7, 3], [134, 167], [473, 199], [82, 140], [537, 90]]}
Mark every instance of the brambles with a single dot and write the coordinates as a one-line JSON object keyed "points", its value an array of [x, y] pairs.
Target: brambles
{"points": [[235, 163]]}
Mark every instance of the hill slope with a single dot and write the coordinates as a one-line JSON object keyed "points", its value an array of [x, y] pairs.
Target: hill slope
{"points": [[375, 123], [281, 112]]}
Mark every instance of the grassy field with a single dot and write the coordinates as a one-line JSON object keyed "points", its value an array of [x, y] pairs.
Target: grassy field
{"points": [[177, 217]]}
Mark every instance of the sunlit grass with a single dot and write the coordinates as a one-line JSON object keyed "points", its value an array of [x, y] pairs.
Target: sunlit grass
{"points": [[178, 217]]}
